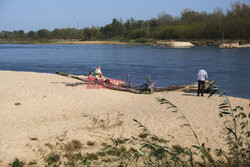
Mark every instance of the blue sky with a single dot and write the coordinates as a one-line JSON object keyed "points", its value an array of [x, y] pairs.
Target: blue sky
{"points": [[50, 14]]}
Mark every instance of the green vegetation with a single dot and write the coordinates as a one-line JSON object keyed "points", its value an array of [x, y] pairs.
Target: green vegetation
{"points": [[32, 163], [17, 163], [147, 149], [236, 126], [234, 24], [53, 159], [203, 150]]}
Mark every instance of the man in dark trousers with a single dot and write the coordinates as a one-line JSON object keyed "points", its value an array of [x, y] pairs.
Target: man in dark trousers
{"points": [[201, 77]]}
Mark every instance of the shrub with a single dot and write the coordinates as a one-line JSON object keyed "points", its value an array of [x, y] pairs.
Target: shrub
{"points": [[17, 163]]}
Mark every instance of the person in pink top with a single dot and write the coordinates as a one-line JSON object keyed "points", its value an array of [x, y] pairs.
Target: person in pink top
{"points": [[90, 77]]}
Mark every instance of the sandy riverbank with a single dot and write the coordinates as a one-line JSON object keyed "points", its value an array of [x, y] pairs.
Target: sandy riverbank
{"points": [[90, 42], [50, 111], [174, 44], [233, 45], [58, 42], [158, 43]]}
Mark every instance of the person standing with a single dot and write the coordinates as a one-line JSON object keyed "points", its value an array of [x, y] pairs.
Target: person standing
{"points": [[201, 77]]}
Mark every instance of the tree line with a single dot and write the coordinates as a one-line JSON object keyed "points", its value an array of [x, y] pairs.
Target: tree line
{"points": [[233, 24]]}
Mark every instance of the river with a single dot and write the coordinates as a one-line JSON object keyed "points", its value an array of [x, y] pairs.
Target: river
{"points": [[230, 68]]}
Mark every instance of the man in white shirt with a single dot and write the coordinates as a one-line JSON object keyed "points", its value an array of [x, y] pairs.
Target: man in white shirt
{"points": [[201, 77]]}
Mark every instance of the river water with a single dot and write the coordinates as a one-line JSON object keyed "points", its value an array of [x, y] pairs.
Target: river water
{"points": [[230, 68]]}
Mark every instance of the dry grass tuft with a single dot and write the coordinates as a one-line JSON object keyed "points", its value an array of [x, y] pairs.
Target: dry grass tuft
{"points": [[90, 143], [143, 135], [74, 145], [49, 145], [31, 163]]}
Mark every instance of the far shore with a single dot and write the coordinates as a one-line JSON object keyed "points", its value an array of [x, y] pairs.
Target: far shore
{"points": [[56, 42], [159, 43]]}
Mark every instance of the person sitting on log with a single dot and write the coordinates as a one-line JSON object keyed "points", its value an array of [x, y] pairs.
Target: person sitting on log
{"points": [[146, 86], [90, 77], [98, 72]]}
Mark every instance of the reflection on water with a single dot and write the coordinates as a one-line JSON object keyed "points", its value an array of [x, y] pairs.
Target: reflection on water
{"points": [[230, 68]]}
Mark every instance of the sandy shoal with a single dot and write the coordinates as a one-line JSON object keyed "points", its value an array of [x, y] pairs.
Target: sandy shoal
{"points": [[50, 110], [90, 42]]}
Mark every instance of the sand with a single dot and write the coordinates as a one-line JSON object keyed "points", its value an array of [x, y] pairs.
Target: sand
{"points": [[61, 42], [233, 45], [50, 111], [174, 44], [90, 42]]}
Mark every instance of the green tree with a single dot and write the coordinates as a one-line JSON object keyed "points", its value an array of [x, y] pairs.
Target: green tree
{"points": [[31, 34], [43, 33]]}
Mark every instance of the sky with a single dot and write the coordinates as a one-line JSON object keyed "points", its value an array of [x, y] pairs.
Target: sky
{"points": [[50, 14]]}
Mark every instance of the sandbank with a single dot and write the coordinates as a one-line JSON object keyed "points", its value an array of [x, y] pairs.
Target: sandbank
{"points": [[39, 108]]}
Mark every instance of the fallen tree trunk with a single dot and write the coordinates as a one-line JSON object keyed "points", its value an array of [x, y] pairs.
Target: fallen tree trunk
{"points": [[169, 88], [71, 76], [104, 84], [101, 82]]}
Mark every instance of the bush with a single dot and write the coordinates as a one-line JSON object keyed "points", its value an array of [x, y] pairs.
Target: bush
{"points": [[17, 163]]}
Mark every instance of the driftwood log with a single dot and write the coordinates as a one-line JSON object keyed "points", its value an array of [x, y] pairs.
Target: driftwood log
{"points": [[186, 88], [71, 76], [108, 85]]}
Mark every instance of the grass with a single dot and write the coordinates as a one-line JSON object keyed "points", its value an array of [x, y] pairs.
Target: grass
{"points": [[31, 163], [107, 160], [236, 127], [34, 139], [204, 152], [49, 145], [104, 144], [90, 143], [74, 145], [17, 163], [53, 159]]}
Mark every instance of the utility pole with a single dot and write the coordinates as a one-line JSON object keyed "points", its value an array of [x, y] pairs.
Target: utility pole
{"points": [[148, 29], [78, 32]]}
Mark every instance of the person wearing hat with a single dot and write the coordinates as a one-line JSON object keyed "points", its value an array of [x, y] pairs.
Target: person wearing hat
{"points": [[201, 77]]}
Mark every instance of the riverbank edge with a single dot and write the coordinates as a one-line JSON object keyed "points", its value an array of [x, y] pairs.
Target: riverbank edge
{"points": [[73, 42], [161, 43], [82, 75]]}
